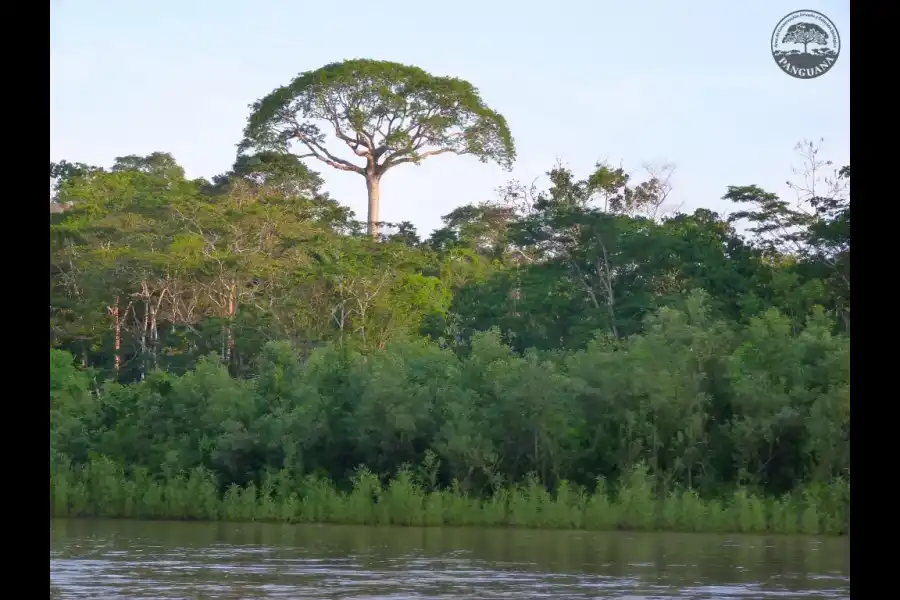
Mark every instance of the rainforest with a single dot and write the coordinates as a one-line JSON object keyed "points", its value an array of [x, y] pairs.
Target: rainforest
{"points": [[576, 353]]}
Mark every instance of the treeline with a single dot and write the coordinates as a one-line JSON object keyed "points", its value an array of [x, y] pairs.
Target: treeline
{"points": [[702, 404], [691, 403], [150, 270], [247, 329]]}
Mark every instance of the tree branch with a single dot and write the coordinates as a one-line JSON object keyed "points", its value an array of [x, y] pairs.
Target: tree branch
{"points": [[354, 144], [319, 152], [393, 162]]}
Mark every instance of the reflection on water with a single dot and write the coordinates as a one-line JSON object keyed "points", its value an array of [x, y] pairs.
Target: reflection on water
{"points": [[128, 559]]}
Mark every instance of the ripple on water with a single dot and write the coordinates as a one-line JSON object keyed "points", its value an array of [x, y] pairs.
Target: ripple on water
{"points": [[327, 566]]}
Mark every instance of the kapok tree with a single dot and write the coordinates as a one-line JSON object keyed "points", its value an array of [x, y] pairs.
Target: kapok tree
{"points": [[387, 113]]}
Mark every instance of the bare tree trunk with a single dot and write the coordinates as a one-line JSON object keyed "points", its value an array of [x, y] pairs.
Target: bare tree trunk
{"points": [[229, 332], [610, 295], [154, 336], [373, 187], [145, 327], [117, 335]]}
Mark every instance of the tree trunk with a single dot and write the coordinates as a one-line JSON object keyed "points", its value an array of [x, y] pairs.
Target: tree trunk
{"points": [[606, 273], [117, 336], [154, 336], [145, 327], [229, 332], [373, 186]]}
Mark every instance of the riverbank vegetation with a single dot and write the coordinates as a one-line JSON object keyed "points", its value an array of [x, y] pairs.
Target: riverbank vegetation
{"points": [[618, 434], [103, 489], [574, 355]]}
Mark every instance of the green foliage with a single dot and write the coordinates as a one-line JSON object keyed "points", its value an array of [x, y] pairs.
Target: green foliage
{"points": [[677, 418], [386, 113], [394, 111], [238, 349], [103, 489]]}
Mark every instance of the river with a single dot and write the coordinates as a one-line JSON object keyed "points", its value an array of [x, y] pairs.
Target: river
{"points": [[131, 559]]}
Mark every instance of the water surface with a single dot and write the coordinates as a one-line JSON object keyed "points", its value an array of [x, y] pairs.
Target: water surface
{"points": [[131, 559]]}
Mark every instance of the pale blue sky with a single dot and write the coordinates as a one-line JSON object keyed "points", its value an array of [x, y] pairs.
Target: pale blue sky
{"points": [[692, 83]]}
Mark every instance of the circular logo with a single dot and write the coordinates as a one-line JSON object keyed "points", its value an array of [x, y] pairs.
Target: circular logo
{"points": [[805, 44]]}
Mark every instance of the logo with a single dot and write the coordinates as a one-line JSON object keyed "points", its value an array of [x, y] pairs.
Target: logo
{"points": [[805, 44]]}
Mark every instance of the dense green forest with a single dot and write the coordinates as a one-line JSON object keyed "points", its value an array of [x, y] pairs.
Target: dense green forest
{"points": [[577, 355]]}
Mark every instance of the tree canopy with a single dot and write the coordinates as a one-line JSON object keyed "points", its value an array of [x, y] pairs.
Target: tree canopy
{"points": [[386, 113]]}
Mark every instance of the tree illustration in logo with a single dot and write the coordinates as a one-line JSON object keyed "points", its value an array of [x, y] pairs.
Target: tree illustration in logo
{"points": [[807, 62], [806, 34]]}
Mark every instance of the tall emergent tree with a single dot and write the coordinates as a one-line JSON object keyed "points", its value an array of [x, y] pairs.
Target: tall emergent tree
{"points": [[387, 113]]}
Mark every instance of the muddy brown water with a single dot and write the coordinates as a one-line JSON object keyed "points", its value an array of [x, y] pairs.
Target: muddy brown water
{"points": [[132, 559]]}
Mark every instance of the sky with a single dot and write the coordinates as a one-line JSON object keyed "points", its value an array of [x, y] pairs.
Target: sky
{"points": [[690, 83]]}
